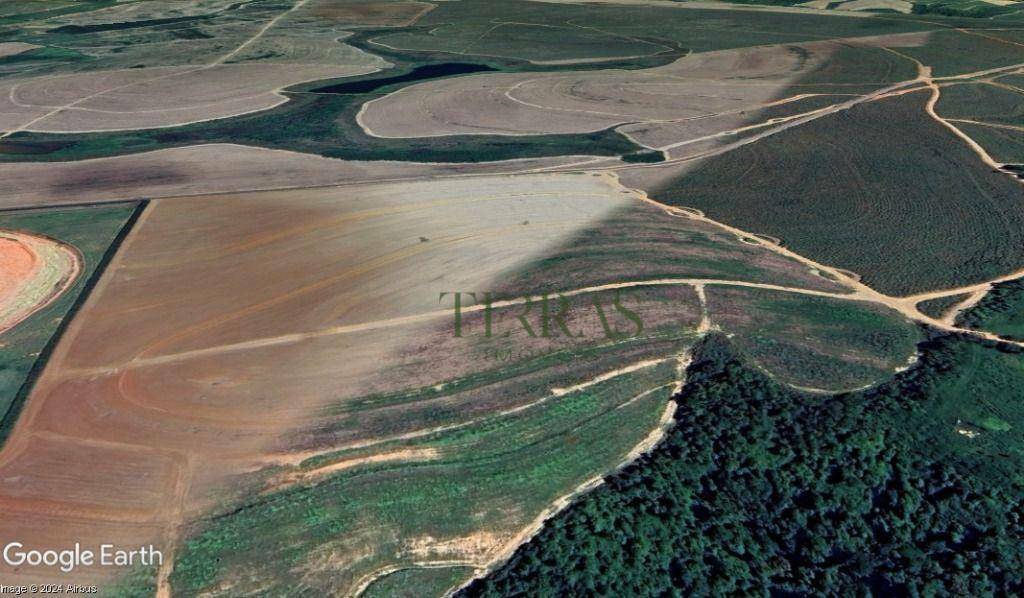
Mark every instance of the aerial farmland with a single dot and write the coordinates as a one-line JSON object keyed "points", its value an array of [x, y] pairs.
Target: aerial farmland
{"points": [[410, 298]]}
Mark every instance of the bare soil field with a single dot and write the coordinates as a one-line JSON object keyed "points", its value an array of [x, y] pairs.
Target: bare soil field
{"points": [[532, 103], [34, 271], [699, 95], [154, 97], [215, 168]]}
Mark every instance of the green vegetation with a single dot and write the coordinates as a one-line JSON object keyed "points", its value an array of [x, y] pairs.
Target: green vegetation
{"points": [[141, 581], [763, 490], [987, 102], [491, 476], [644, 157], [996, 107], [521, 40], [39, 55], [24, 349], [878, 170], [417, 582], [814, 342], [1001, 311], [936, 308]]}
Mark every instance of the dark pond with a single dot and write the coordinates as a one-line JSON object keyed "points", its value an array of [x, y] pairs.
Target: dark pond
{"points": [[420, 73]]}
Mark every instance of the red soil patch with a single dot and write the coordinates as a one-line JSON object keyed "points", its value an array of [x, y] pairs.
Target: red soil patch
{"points": [[17, 264], [34, 271]]}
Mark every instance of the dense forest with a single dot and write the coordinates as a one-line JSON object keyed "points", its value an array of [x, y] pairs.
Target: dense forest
{"points": [[1001, 311], [911, 488]]}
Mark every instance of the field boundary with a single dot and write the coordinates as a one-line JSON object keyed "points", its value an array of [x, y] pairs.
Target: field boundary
{"points": [[10, 417]]}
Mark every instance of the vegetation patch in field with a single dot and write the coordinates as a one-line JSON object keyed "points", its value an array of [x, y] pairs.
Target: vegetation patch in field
{"points": [[975, 9], [416, 582], [420, 73], [814, 342]]}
